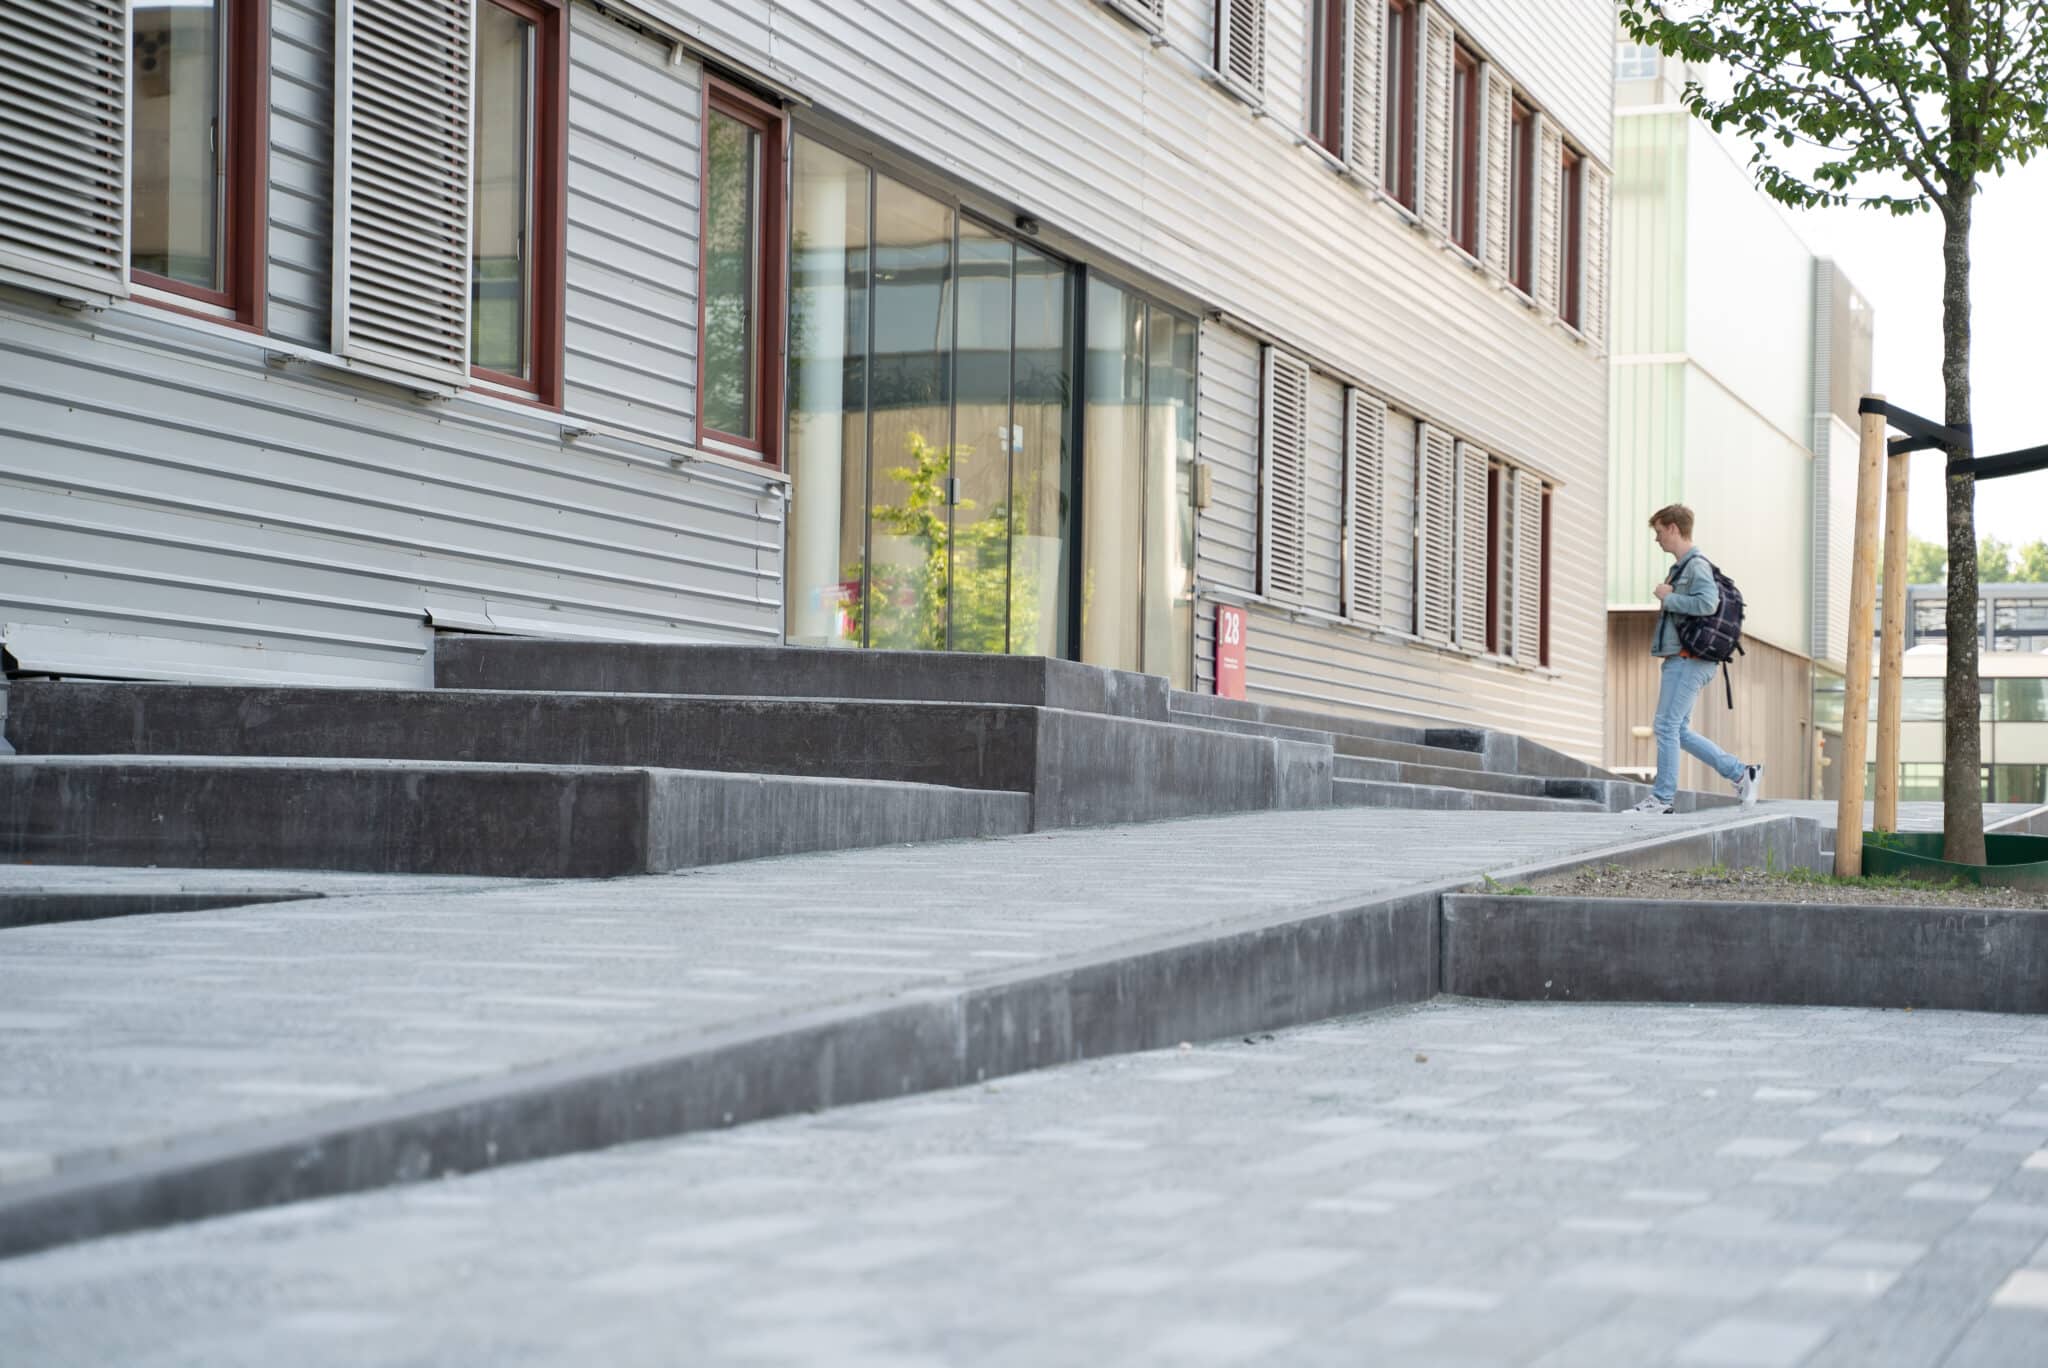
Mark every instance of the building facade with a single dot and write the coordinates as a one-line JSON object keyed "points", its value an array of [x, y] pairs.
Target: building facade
{"points": [[1739, 360], [331, 325]]}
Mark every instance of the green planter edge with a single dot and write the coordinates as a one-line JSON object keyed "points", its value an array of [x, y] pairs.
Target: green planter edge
{"points": [[2012, 861]]}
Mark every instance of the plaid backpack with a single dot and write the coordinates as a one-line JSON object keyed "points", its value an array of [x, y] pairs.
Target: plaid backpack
{"points": [[1718, 635]]}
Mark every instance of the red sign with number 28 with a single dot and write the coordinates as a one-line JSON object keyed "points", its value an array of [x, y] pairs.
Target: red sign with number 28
{"points": [[1229, 652]]}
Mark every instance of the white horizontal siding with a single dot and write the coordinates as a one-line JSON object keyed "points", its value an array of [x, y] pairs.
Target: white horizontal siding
{"points": [[301, 215], [634, 154]]}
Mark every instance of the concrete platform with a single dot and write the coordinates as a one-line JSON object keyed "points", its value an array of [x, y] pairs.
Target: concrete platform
{"points": [[298, 1050], [1079, 768], [411, 816], [481, 662]]}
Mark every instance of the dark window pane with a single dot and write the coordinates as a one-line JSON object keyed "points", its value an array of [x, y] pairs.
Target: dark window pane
{"points": [[176, 196], [501, 196], [732, 275]]}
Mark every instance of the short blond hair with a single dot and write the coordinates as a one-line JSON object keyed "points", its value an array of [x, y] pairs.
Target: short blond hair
{"points": [[1674, 515]]}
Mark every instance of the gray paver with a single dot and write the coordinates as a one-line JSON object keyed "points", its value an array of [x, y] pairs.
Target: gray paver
{"points": [[1092, 1214], [181, 1019]]}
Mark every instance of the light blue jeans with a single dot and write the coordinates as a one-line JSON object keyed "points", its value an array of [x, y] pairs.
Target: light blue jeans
{"points": [[1680, 689]]}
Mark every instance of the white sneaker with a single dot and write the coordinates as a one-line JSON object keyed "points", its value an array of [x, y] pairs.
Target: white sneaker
{"points": [[1653, 806], [1745, 788]]}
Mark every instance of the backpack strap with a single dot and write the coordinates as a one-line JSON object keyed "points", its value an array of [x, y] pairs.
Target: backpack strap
{"points": [[1728, 684]]}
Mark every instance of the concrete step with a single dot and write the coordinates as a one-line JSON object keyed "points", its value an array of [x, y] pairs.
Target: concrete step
{"points": [[1080, 768], [1308, 719], [539, 665], [1342, 743], [1356, 767], [1369, 793], [414, 817]]}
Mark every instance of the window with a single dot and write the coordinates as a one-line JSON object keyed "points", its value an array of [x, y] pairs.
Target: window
{"points": [[1241, 48], [1399, 138], [740, 294], [1522, 199], [1465, 124], [199, 128], [516, 202], [1571, 206], [2021, 700], [1323, 82], [1635, 62]]}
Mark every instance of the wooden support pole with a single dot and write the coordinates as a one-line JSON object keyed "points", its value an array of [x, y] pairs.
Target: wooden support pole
{"points": [[1892, 649], [1856, 705]]}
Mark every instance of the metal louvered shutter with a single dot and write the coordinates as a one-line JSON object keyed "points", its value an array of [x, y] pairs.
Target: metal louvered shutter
{"points": [[1499, 162], [1549, 215], [1593, 276], [1283, 471], [1439, 74], [1526, 560], [1149, 15], [1241, 47], [1435, 533], [63, 147], [1365, 96], [402, 87], [1365, 449], [1475, 553]]}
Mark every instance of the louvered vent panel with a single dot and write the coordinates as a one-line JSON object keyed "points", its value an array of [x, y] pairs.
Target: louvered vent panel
{"points": [[1500, 132], [1549, 215], [1241, 47], [1475, 555], [63, 145], [1528, 567], [1283, 503], [403, 74], [1365, 98], [1365, 448], [1149, 15], [1435, 534], [1593, 307], [1439, 71]]}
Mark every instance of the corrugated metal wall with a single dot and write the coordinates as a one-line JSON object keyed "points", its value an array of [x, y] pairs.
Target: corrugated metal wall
{"points": [[172, 506], [1770, 724]]}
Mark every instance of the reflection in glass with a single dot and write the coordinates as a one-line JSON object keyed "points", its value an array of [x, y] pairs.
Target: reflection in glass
{"points": [[1113, 479], [501, 195], [979, 587], [177, 197], [1169, 559], [828, 345], [1041, 468], [905, 602], [732, 274]]}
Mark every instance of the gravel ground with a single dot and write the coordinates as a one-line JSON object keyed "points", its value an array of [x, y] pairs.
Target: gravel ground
{"points": [[1756, 885]]}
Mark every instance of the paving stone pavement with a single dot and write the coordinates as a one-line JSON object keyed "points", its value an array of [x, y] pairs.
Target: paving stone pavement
{"points": [[1459, 1184], [117, 1036]]}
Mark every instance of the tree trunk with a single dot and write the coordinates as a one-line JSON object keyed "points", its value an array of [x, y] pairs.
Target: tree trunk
{"points": [[1962, 794]]}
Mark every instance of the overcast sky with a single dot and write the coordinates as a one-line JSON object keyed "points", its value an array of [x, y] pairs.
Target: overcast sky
{"points": [[1896, 263]]}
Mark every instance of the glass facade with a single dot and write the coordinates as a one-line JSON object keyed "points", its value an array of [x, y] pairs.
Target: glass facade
{"points": [[940, 502], [732, 274], [177, 206]]}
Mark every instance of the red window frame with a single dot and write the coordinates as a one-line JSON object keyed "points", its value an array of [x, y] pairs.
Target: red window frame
{"points": [[245, 165], [550, 141], [1543, 589], [1571, 193], [1465, 170], [1399, 178], [1328, 58], [1522, 198], [772, 124]]}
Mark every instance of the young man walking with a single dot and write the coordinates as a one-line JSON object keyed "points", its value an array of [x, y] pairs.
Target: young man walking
{"points": [[1690, 591]]}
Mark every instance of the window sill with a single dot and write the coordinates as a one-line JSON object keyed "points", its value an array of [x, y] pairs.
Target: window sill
{"points": [[1330, 160]]}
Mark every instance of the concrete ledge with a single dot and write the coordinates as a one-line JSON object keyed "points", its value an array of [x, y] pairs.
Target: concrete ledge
{"points": [[2033, 823], [1330, 962], [421, 817], [1277, 715], [1620, 950], [46, 907], [533, 664]]}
